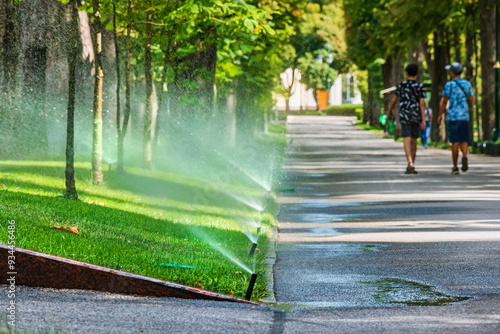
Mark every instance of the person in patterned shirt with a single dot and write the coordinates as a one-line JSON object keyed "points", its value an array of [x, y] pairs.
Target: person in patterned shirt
{"points": [[458, 92], [411, 95]]}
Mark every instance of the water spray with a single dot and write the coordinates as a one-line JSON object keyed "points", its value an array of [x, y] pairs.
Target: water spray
{"points": [[252, 250], [250, 286]]}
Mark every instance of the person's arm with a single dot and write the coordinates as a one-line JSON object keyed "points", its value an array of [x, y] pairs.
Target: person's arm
{"points": [[442, 109], [422, 109], [470, 100], [392, 104]]}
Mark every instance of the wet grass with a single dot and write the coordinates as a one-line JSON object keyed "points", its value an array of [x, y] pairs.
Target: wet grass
{"points": [[399, 291], [138, 220]]}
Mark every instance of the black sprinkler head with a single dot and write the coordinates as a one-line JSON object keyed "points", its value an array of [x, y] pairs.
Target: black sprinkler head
{"points": [[250, 286], [252, 250]]}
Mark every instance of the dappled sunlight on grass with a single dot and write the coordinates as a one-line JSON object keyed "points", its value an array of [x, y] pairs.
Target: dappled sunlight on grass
{"points": [[137, 221]]}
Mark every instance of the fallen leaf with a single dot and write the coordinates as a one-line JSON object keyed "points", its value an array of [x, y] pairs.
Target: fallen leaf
{"points": [[198, 285], [87, 190], [4, 186], [72, 229], [156, 217], [101, 204], [258, 250], [231, 292]]}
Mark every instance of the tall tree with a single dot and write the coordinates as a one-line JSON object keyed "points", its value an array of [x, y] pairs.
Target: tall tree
{"points": [[97, 176]]}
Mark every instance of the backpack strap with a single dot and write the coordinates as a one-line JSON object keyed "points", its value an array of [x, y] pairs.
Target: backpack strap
{"points": [[463, 90]]}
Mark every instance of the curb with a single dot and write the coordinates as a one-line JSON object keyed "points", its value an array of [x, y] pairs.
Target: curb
{"points": [[271, 261]]}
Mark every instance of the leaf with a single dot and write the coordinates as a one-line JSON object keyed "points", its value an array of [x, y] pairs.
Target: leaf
{"points": [[72, 229]]}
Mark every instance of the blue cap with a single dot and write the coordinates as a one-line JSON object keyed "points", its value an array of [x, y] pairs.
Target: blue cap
{"points": [[456, 68]]}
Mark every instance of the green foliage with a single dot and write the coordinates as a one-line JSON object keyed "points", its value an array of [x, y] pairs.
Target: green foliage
{"points": [[315, 75], [342, 110]]}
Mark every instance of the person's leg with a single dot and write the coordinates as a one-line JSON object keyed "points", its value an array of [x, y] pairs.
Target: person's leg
{"points": [[464, 147], [454, 154], [407, 145], [427, 133], [413, 149]]}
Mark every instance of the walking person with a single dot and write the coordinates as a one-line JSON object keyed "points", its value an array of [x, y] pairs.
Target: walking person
{"points": [[427, 131], [411, 95], [458, 92]]}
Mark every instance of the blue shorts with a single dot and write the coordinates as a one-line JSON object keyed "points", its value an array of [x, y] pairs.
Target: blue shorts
{"points": [[458, 131]]}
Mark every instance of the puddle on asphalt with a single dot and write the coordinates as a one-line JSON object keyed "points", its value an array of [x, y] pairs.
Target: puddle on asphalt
{"points": [[337, 249], [314, 175], [399, 291], [324, 232], [330, 218]]}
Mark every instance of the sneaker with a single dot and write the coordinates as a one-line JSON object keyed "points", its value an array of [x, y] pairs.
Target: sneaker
{"points": [[465, 164], [411, 170], [454, 171]]}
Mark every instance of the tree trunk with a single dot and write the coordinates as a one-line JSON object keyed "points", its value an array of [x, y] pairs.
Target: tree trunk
{"points": [[97, 177], [388, 81], [370, 100], [118, 83], [476, 100], [469, 68], [231, 103], [438, 81], [70, 129], [126, 112], [167, 59], [148, 119], [457, 46], [487, 36], [33, 17], [416, 56], [9, 81]]}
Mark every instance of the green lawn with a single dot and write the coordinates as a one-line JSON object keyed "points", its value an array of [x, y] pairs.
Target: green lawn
{"points": [[141, 219]]}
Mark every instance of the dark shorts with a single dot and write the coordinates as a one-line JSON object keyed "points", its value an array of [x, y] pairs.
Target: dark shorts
{"points": [[411, 129], [458, 131]]}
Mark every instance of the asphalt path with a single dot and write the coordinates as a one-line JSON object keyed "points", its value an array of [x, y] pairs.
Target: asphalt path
{"points": [[361, 248], [364, 248]]}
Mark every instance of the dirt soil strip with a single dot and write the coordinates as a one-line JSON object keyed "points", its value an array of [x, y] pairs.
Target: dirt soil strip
{"points": [[36, 269]]}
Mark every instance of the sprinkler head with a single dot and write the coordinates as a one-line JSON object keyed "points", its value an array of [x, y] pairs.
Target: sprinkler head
{"points": [[250, 286], [252, 250]]}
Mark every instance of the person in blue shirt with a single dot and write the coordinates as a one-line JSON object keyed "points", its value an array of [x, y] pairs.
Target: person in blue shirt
{"points": [[458, 92], [427, 132]]}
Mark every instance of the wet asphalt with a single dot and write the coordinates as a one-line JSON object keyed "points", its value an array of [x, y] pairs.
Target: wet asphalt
{"points": [[361, 248]]}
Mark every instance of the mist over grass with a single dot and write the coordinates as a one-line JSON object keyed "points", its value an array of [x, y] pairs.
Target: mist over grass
{"points": [[200, 206]]}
